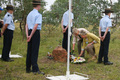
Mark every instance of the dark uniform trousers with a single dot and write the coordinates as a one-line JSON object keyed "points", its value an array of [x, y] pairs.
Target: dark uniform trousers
{"points": [[104, 48], [32, 51], [65, 39], [7, 42]]}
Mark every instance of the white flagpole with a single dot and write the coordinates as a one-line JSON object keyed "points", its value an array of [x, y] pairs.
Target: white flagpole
{"points": [[76, 75], [68, 54]]}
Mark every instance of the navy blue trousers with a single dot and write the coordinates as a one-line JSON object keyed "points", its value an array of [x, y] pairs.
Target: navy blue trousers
{"points": [[32, 51], [104, 48], [7, 42], [65, 39]]}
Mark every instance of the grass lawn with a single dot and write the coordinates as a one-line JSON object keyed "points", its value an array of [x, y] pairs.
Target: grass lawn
{"points": [[50, 40]]}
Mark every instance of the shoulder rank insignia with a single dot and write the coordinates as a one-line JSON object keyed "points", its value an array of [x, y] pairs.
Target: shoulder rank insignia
{"points": [[8, 15]]}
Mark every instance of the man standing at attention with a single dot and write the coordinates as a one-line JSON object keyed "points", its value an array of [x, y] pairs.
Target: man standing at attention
{"points": [[104, 34], [7, 31], [64, 24], [33, 27]]}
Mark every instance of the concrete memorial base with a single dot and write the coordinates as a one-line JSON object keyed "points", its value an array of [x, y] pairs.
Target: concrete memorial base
{"points": [[75, 76]]}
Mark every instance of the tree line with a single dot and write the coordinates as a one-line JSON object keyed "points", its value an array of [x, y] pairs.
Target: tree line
{"points": [[87, 12]]}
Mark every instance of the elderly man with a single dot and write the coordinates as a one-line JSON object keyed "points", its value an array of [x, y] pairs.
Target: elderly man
{"points": [[76, 36]]}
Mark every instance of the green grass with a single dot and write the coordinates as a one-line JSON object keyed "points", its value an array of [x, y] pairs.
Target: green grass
{"points": [[50, 40]]}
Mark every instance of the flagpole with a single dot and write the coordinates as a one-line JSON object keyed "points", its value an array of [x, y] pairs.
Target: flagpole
{"points": [[76, 75], [68, 53]]}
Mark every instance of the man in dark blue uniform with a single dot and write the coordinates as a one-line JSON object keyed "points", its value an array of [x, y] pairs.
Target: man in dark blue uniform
{"points": [[7, 31], [33, 27]]}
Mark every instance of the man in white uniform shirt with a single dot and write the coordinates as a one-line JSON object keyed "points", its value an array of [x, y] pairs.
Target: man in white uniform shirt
{"points": [[33, 28], [7, 32], [64, 24]]}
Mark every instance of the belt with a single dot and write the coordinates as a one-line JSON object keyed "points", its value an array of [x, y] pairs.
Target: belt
{"points": [[104, 32], [31, 30], [9, 30]]}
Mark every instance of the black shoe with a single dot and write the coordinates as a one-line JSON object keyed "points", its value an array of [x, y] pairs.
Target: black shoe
{"points": [[28, 71], [99, 62], [108, 63], [38, 72], [8, 60]]}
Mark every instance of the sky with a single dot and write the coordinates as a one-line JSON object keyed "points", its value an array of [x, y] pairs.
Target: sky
{"points": [[50, 2]]}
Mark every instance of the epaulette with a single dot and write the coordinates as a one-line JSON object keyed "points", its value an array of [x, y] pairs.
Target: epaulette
{"points": [[8, 15]]}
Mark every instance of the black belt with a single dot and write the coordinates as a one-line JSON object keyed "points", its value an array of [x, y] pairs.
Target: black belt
{"points": [[31, 30], [104, 32], [9, 30]]}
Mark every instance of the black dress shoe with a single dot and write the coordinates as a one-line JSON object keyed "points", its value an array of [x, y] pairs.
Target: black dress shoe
{"points": [[8, 60], [38, 72], [28, 71], [108, 63], [99, 62]]}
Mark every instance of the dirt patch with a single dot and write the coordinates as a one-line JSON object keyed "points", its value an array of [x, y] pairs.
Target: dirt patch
{"points": [[45, 60]]}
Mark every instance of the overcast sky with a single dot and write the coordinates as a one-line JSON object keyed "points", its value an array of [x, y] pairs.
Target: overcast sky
{"points": [[50, 2]]}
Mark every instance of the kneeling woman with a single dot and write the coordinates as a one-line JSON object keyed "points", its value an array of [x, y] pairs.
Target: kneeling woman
{"points": [[91, 43]]}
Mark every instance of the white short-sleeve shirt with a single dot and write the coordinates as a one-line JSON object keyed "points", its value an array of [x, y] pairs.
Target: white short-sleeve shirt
{"points": [[66, 18], [8, 19], [104, 23], [34, 17]]}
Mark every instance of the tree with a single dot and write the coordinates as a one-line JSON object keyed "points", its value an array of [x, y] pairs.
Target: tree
{"points": [[86, 12], [54, 16], [116, 8], [22, 8], [22, 11]]}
